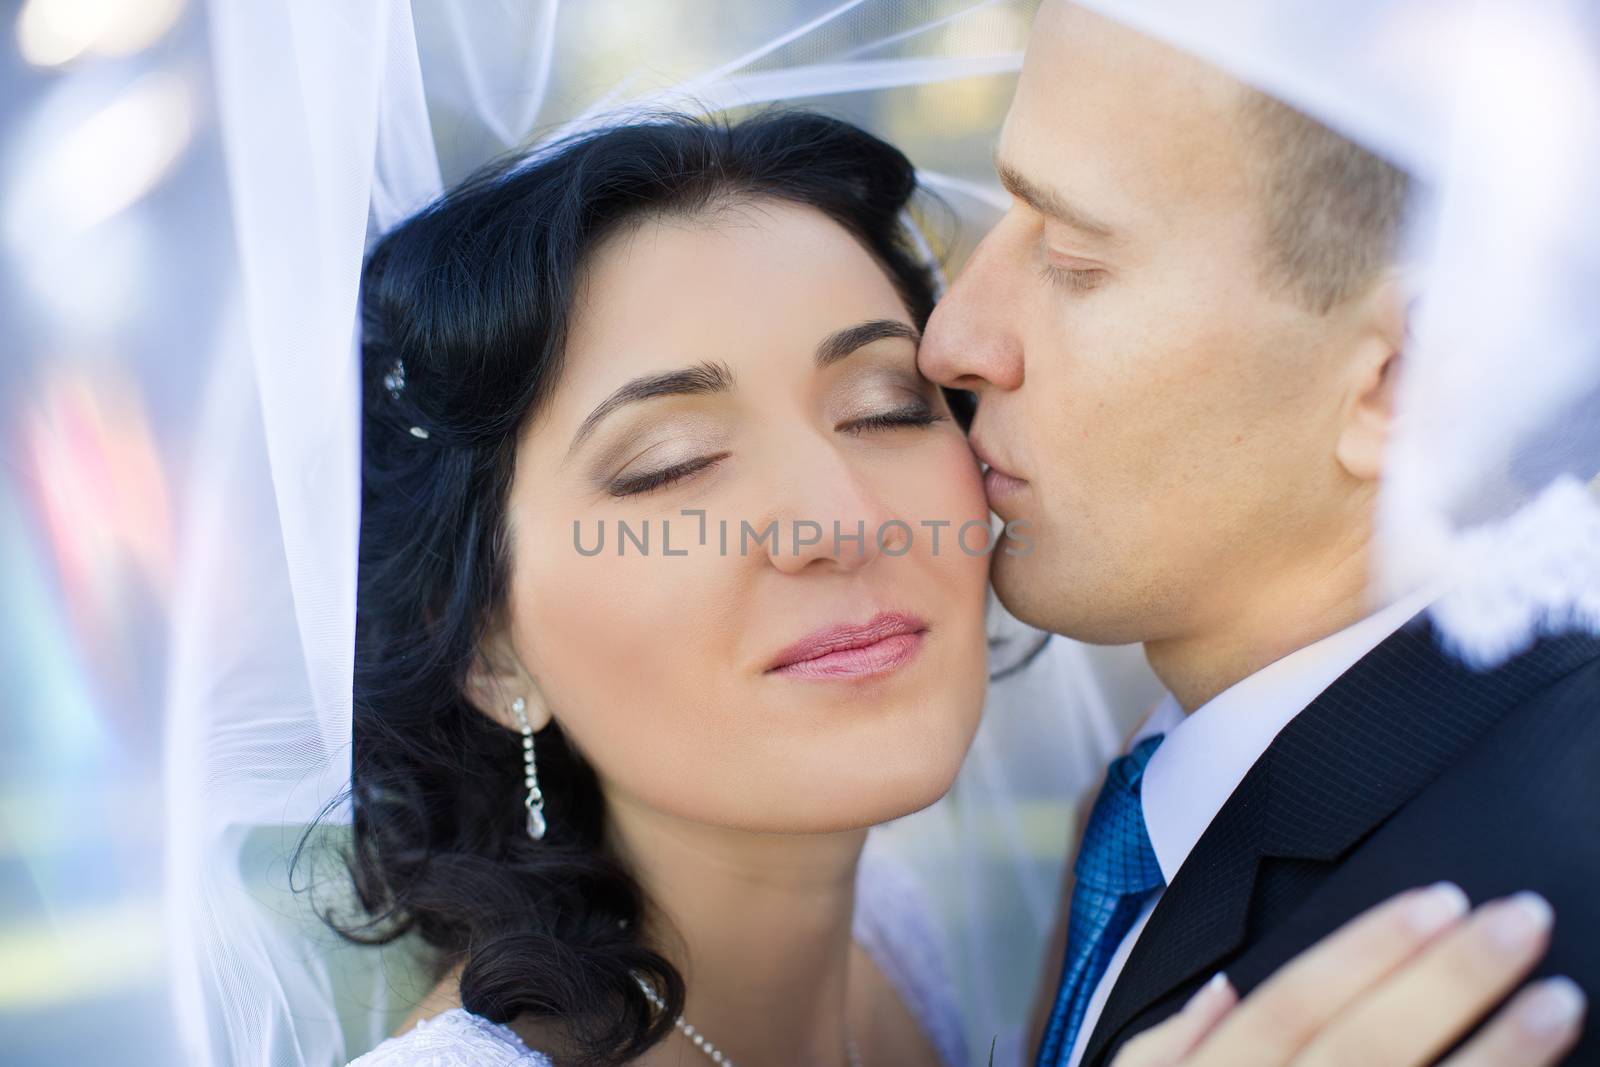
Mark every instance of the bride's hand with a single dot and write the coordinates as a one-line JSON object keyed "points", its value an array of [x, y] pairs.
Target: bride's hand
{"points": [[1394, 987]]}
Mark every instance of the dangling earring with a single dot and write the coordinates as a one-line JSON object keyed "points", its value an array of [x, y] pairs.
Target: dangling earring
{"points": [[535, 800]]}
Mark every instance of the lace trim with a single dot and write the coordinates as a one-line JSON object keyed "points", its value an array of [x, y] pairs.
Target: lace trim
{"points": [[454, 1038], [1535, 573]]}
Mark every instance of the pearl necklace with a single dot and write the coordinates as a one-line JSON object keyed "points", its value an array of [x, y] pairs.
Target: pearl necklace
{"points": [[715, 1054]]}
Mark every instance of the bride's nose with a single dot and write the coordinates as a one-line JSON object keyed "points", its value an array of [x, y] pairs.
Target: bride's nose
{"points": [[829, 515]]}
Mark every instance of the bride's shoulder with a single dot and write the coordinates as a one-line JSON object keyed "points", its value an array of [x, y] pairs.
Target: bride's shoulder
{"points": [[895, 918], [895, 924], [453, 1038]]}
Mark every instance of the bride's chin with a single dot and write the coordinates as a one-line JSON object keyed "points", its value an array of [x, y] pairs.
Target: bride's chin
{"points": [[871, 801], [879, 790], [917, 794]]}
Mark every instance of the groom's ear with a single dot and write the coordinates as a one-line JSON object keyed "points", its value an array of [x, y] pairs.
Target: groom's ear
{"points": [[1381, 316]]}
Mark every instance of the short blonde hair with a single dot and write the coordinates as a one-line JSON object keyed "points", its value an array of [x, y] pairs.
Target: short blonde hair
{"points": [[1334, 209]]}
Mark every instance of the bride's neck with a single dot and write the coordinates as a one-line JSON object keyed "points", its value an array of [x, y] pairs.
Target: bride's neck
{"points": [[759, 926]]}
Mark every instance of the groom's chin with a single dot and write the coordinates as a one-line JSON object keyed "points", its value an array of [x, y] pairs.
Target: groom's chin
{"points": [[1024, 589], [1047, 594]]}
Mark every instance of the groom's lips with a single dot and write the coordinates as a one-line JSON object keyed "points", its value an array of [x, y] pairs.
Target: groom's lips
{"points": [[998, 482]]}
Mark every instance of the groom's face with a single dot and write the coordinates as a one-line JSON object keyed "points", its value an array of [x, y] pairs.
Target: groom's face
{"points": [[1167, 413]]}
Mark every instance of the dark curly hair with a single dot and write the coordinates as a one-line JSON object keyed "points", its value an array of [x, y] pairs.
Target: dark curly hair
{"points": [[470, 302]]}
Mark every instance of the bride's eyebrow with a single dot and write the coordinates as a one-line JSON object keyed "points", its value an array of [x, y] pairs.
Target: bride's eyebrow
{"points": [[700, 379], [717, 377], [841, 343]]}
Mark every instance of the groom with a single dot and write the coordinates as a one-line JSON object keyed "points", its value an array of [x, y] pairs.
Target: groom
{"points": [[1184, 337]]}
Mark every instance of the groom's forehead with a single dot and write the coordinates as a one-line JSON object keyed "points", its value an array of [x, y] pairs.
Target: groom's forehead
{"points": [[1083, 45], [1117, 123], [1113, 116]]}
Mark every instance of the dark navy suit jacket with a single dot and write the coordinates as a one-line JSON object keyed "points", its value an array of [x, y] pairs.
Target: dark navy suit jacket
{"points": [[1411, 768]]}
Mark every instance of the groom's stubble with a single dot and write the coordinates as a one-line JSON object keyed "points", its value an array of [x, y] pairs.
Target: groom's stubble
{"points": [[1183, 337]]}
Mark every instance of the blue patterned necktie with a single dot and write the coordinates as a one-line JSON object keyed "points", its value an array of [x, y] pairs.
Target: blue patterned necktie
{"points": [[1116, 873]]}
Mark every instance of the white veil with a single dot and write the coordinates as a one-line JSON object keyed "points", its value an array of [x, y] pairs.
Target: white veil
{"points": [[338, 120], [292, 132]]}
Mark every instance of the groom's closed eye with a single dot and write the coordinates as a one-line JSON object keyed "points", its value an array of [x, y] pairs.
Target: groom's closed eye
{"points": [[1073, 279]]}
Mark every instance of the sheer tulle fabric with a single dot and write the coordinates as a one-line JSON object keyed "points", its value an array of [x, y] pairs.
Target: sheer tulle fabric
{"points": [[335, 124]]}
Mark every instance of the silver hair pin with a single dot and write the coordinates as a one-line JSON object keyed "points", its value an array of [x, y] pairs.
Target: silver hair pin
{"points": [[395, 381]]}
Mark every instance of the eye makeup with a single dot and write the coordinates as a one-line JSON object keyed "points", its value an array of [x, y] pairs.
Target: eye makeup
{"points": [[912, 417], [657, 475], [880, 398], [660, 478], [651, 452], [869, 397]]}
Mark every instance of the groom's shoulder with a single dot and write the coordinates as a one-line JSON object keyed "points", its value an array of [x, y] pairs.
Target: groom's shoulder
{"points": [[1529, 729], [1508, 754], [1548, 746], [1519, 810], [1518, 807], [1533, 780]]}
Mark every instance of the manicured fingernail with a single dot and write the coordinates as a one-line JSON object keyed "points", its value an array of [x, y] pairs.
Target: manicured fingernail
{"points": [[1552, 1008], [1514, 923], [1207, 994], [1436, 907]]}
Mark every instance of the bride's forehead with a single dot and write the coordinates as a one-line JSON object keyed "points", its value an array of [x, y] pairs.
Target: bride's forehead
{"points": [[741, 293], [740, 246]]}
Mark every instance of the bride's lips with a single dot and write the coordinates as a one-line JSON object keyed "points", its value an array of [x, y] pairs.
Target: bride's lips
{"points": [[998, 482], [880, 645]]}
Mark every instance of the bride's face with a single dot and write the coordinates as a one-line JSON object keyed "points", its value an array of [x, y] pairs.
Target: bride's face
{"points": [[723, 374]]}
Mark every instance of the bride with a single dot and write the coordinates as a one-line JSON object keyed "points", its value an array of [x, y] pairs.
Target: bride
{"points": [[672, 584], [657, 320]]}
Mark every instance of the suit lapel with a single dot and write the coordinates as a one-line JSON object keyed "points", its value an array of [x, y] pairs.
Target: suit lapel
{"points": [[1369, 743]]}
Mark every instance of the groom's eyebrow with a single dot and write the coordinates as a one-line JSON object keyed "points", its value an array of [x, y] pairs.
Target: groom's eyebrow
{"points": [[1048, 202]]}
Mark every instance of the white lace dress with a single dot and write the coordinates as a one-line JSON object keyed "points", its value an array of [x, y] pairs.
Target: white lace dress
{"points": [[892, 924]]}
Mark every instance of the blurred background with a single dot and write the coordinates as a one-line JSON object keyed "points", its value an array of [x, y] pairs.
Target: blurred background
{"points": [[118, 262], [113, 238]]}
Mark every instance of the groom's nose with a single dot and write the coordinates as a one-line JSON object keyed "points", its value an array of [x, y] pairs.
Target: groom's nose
{"points": [[971, 341]]}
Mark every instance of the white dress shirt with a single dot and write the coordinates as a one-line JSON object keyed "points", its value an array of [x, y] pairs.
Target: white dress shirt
{"points": [[1207, 754]]}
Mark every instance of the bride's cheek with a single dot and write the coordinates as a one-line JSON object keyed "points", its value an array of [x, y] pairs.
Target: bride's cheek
{"points": [[652, 662]]}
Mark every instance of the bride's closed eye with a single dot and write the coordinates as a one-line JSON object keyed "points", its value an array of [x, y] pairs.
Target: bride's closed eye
{"points": [[634, 484], [889, 402], [911, 416]]}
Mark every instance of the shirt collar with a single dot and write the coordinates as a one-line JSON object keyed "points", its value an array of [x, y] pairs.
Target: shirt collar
{"points": [[1207, 754]]}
